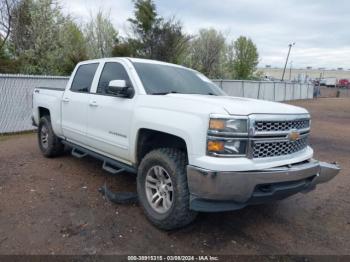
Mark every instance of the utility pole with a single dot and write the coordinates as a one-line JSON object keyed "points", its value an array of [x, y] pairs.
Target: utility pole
{"points": [[285, 66]]}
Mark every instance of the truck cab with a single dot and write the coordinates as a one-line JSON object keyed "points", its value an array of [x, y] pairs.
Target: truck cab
{"points": [[193, 148]]}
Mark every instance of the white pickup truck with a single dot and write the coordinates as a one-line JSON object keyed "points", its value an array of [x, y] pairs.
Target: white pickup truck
{"points": [[194, 148]]}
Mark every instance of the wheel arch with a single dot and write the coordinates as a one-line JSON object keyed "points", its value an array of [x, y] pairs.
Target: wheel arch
{"points": [[43, 111], [150, 139]]}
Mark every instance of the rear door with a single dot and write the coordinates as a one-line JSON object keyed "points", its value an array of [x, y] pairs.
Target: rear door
{"points": [[110, 116], [75, 104]]}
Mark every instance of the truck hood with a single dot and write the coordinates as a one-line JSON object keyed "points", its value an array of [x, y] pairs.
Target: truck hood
{"points": [[239, 105]]}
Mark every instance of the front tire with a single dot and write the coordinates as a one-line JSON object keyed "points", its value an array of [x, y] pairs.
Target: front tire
{"points": [[162, 188], [49, 144]]}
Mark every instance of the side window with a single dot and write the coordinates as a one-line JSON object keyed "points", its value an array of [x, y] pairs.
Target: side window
{"points": [[111, 71], [83, 78]]}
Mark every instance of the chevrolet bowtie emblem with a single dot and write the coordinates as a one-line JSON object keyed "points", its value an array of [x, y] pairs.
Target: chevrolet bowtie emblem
{"points": [[294, 135]]}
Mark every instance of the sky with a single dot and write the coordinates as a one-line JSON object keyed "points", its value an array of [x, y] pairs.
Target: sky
{"points": [[319, 28]]}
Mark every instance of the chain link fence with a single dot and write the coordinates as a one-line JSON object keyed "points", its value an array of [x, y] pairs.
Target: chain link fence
{"points": [[333, 91], [16, 95], [266, 90]]}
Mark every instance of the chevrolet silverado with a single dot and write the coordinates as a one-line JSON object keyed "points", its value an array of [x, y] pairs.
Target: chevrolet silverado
{"points": [[193, 148]]}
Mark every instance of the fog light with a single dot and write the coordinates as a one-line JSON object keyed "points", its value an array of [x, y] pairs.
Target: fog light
{"points": [[234, 147], [216, 146]]}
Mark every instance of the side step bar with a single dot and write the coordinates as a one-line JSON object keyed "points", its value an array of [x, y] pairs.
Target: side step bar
{"points": [[78, 154], [111, 169], [110, 165]]}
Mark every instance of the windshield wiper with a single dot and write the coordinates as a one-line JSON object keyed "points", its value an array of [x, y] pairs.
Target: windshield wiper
{"points": [[174, 92], [164, 93], [207, 94]]}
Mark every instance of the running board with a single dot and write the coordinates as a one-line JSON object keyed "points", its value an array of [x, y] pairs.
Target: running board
{"points": [[78, 154], [111, 169], [109, 164]]}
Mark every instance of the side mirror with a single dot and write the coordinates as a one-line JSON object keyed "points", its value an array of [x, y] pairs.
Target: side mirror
{"points": [[119, 88]]}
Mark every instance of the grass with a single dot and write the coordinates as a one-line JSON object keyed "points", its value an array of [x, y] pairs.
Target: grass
{"points": [[6, 136]]}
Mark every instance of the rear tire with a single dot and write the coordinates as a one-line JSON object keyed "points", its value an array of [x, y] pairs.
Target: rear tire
{"points": [[162, 177], [49, 144]]}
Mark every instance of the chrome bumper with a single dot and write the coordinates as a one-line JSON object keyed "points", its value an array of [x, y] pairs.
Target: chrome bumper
{"points": [[235, 190]]}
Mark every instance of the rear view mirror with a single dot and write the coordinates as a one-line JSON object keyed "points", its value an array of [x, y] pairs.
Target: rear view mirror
{"points": [[119, 88]]}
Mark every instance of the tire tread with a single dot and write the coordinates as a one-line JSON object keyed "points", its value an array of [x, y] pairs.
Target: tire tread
{"points": [[55, 148], [181, 215]]}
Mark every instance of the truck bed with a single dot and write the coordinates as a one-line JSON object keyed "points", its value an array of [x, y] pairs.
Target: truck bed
{"points": [[46, 97]]}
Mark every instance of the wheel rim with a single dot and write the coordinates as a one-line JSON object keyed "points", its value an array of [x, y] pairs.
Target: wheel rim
{"points": [[159, 189], [44, 137]]}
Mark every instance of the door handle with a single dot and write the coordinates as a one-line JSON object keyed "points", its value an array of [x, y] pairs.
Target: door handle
{"points": [[93, 103], [65, 100]]}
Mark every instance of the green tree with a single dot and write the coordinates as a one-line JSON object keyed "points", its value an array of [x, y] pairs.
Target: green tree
{"points": [[44, 40], [171, 41], [6, 20], [40, 52], [100, 36], [207, 53], [20, 37], [73, 48], [8, 65], [245, 58], [155, 37], [123, 48], [146, 19]]}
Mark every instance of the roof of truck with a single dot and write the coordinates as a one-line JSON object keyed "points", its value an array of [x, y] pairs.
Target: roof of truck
{"points": [[132, 59]]}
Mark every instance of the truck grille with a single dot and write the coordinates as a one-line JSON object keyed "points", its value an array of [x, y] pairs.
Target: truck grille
{"points": [[278, 148], [275, 126]]}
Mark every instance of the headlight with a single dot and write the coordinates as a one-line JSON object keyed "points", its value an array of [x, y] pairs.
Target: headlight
{"points": [[232, 147], [229, 125], [227, 136]]}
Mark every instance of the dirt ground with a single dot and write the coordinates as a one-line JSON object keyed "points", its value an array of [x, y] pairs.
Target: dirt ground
{"points": [[52, 206], [332, 92]]}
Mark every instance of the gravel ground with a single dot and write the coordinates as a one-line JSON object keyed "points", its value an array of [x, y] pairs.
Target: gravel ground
{"points": [[52, 206]]}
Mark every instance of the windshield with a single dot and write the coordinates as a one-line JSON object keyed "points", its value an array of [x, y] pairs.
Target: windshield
{"points": [[159, 79]]}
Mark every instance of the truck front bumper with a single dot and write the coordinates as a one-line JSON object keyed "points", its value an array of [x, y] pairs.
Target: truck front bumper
{"points": [[213, 191]]}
